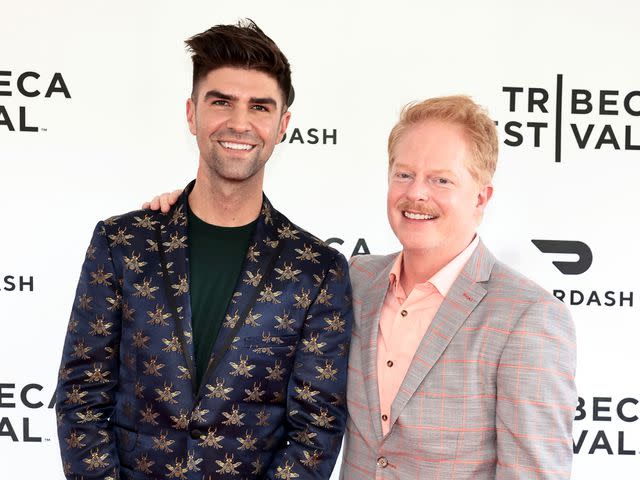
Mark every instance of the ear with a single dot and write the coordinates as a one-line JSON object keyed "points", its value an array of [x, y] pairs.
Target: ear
{"points": [[484, 195], [284, 123], [191, 115]]}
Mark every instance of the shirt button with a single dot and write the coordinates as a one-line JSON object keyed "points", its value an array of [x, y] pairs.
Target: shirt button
{"points": [[382, 462], [196, 433], [384, 418], [389, 363], [404, 313]]}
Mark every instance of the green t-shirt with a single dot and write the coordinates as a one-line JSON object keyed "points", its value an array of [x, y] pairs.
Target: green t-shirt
{"points": [[216, 255]]}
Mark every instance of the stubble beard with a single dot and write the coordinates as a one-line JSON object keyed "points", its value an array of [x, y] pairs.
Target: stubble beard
{"points": [[232, 170]]}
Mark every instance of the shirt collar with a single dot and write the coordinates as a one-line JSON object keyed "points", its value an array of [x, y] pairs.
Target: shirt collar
{"points": [[442, 280]]}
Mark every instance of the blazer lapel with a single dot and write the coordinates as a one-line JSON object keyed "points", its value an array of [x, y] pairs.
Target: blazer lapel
{"points": [[264, 251], [463, 297], [372, 302], [172, 243]]}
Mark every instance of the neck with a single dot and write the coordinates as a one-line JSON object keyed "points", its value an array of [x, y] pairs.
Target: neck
{"points": [[418, 266], [224, 203]]}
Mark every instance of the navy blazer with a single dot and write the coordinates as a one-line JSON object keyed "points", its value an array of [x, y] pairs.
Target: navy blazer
{"points": [[272, 401]]}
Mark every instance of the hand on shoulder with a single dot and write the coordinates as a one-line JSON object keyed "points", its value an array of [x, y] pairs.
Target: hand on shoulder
{"points": [[163, 202]]}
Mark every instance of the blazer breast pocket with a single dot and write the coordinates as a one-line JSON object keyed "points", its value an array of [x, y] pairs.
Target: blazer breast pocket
{"points": [[272, 345]]}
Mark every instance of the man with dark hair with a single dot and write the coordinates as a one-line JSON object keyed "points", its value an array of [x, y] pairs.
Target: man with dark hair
{"points": [[243, 46], [210, 342]]}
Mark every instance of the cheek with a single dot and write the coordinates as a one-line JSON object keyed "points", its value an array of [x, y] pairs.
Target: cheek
{"points": [[394, 194], [448, 200], [392, 201], [210, 121], [459, 211], [391, 210], [267, 128]]}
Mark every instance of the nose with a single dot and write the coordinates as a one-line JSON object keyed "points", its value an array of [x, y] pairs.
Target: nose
{"points": [[418, 191], [238, 120]]}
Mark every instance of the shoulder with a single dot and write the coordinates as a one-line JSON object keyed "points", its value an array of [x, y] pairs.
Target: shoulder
{"points": [[303, 242], [533, 301], [505, 279], [371, 263], [135, 219], [136, 229]]}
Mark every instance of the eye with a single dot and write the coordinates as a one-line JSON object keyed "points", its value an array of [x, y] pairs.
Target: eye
{"points": [[260, 108], [220, 103], [402, 175], [442, 181]]}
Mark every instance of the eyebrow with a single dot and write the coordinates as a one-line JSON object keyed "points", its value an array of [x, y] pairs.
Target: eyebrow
{"points": [[431, 172], [399, 165], [443, 171], [225, 96]]}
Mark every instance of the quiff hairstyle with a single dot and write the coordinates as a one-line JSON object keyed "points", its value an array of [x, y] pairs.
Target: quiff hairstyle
{"points": [[243, 45], [458, 110]]}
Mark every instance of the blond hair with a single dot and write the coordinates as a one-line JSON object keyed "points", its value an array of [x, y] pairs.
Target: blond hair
{"points": [[458, 110]]}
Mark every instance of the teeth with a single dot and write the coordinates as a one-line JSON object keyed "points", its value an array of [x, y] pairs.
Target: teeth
{"points": [[418, 216], [236, 146]]}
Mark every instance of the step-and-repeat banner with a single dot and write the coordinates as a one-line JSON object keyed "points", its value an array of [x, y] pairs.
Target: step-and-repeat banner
{"points": [[92, 122]]}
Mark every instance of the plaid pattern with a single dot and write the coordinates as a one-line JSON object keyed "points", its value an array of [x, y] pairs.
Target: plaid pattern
{"points": [[490, 393]]}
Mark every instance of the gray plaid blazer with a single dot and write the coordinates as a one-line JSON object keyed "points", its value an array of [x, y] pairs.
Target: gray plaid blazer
{"points": [[490, 393]]}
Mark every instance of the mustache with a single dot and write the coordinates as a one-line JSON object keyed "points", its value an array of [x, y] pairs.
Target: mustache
{"points": [[406, 205]]}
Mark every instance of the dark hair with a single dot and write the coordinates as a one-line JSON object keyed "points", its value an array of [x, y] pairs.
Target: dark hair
{"points": [[242, 45]]}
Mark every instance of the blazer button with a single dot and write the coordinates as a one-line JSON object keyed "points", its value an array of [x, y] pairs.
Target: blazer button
{"points": [[196, 434], [382, 462], [404, 313]]}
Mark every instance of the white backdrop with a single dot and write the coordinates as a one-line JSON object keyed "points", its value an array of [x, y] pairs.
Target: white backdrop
{"points": [[121, 137]]}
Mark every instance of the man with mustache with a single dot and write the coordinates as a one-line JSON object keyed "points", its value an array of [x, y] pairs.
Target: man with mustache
{"points": [[460, 368], [211, 342]]}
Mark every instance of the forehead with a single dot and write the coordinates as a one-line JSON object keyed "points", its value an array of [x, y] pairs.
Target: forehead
{"points": [[243, 83], [433, 144]]}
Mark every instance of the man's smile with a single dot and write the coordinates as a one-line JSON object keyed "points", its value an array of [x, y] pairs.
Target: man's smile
{"points": [[236, 146], [418, 216]]}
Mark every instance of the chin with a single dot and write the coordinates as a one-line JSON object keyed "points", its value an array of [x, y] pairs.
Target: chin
{"points": [[412, 243], [417, 247], [418, 242], [235, 174]]}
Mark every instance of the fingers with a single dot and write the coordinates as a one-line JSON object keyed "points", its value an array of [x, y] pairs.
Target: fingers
{"points": [[165, 206], [163, 202], [169, 199], [174, 196], [155, 203]]}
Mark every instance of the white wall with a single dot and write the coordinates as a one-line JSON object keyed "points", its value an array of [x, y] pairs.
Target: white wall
{"points": [[122, 137]]}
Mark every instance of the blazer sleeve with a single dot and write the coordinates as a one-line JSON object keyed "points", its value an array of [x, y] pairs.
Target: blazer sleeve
{"points": [[88, 373], [316, 406], [536, 395]]}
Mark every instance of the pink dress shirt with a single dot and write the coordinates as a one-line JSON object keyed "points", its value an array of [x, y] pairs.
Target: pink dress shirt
{"points": [[405, 320]]}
